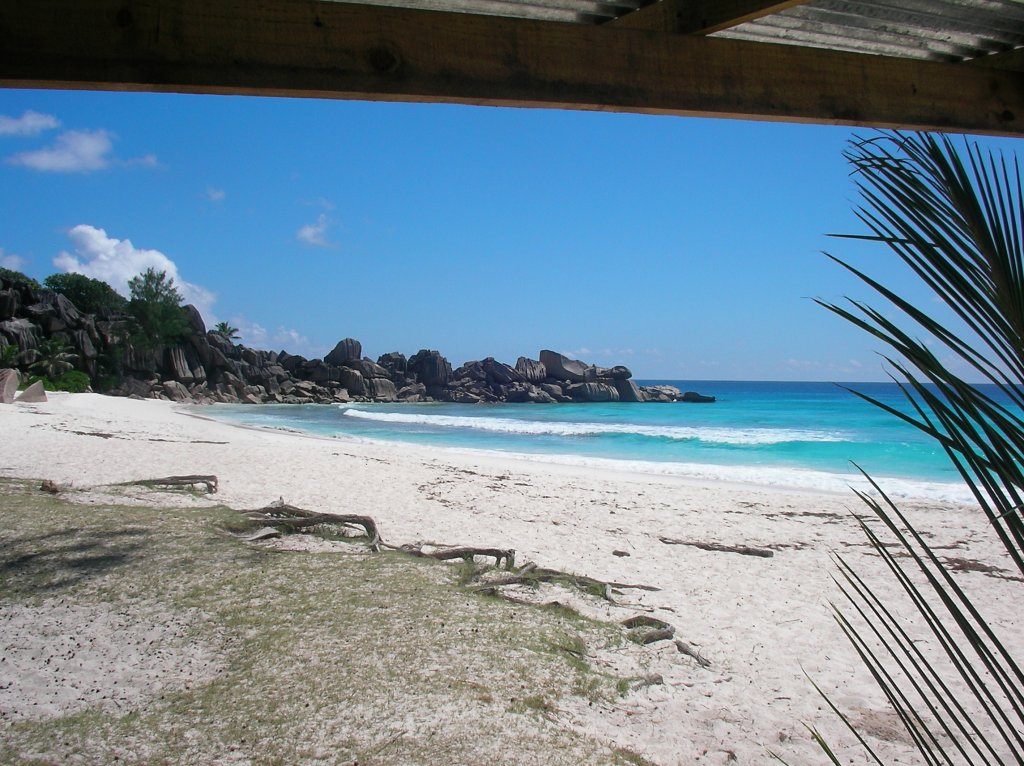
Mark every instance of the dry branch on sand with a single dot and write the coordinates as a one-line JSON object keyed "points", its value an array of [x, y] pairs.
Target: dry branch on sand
{"points": [[502, 556], [744, 550], [290, 518], [531, 574], [281, 518], [192, 480]]}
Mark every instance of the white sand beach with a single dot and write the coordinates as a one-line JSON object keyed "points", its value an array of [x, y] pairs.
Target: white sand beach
{"points": [[764, 624]]}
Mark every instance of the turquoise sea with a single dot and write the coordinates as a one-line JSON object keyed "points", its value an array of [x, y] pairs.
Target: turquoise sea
{"points": [[800, 435]]}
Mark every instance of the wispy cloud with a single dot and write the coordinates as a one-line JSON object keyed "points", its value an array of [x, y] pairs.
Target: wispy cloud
{"points": [[145, 161], [75, 151], [577, 353], [115, 261], [290, 340], [29, 124], [79, 151], [827, 369], [605, 353], [315, 234], [11, 261], [320, 202], [215, 195]]}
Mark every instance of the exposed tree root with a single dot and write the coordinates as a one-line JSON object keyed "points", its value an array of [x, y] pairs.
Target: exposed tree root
{"points": [[210, 482], [531, 574], [288, 517], [689, 651], [646, 630], [280, 518], [742, 549], [502, 556], [644, 621]]}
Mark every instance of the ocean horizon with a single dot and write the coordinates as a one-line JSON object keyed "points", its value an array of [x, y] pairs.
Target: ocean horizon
{"points": [[799, 435]]}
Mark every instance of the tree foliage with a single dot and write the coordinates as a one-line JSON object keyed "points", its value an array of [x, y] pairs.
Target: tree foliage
{"points": [[53, 358], [225, 329], [9, 355], [12, 278], [90, 296], [156, 305], [955, 218]]}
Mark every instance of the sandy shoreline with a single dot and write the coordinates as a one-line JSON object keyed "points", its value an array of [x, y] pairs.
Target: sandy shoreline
{"points": [[762, 622]]}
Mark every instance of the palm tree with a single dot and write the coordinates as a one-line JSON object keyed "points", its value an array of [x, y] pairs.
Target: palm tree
{"points": [[53, 358], [229, 332], [8, 355], [956, 220]]}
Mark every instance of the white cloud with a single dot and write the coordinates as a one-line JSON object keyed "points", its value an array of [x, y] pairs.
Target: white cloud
{"points": [[578, 353], [76, 151], [315, 234], [115, 261], [12, 261], [29, 124], [79, 151], [215, 195], [290, 340], [145, 161]]}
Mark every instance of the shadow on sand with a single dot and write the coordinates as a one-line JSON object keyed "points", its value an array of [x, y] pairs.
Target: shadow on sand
{"points": [[63, 558]]}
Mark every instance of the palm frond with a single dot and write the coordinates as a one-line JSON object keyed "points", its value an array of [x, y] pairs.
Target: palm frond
{"points": [[955, 219]]}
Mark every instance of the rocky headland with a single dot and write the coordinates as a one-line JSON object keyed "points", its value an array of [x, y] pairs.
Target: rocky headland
{"points": [[206, 366]]}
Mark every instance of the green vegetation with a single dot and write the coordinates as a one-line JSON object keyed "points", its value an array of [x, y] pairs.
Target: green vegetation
{"points": [[8, 355], [73, 381], [954, 218], [13, 278], [274, 657], [229, 332], [90, 296], [156, 305], [53, 358]]}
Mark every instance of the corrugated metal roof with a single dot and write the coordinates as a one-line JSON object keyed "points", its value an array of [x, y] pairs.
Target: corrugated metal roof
{"points": [[570, 11], [950, 30], [941, 30]]}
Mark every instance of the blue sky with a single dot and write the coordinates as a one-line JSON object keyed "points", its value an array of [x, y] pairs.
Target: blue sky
{"points": [[682, 248]]}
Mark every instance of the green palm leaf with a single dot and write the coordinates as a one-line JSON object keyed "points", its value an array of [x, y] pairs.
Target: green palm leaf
{"points": [[955, 219]]}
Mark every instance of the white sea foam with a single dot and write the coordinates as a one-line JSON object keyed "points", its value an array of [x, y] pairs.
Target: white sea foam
{"points": [[748, 436], [783, 478]]}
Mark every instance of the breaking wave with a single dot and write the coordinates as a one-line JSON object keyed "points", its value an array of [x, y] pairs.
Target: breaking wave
{"points": [[711, 435]]}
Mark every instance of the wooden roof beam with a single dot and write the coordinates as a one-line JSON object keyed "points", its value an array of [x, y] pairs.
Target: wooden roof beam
{"points": [[301, 48], [700, 17], [1012, 60]]}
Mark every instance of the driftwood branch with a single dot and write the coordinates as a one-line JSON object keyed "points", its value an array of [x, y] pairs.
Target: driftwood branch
{"points": [[502, 556], [644, 621], [289, 517], [656, 630], [531, 574], [689, 651], [210, 482], [741, 549], [281, 518]]}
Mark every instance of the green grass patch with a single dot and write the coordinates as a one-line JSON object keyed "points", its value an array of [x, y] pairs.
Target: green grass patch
{"points": [[204, 649]]}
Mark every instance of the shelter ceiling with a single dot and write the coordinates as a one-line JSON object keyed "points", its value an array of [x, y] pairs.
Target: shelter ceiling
{"points": [[920, 64]]}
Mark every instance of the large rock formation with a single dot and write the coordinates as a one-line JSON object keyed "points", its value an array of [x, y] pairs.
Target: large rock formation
{"points": [[35, 393], [531, 370], [8, 385], [347, 350], [207, 367], [562, 367]]}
